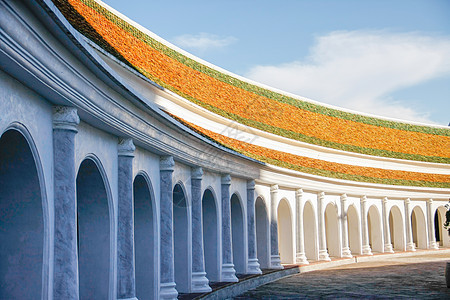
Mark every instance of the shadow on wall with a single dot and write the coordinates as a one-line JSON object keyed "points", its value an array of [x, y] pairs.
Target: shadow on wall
{"points": [[21, 220]]}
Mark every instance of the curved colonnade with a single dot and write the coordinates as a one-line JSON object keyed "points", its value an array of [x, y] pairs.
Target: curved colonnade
{"points": [[106, 195]]}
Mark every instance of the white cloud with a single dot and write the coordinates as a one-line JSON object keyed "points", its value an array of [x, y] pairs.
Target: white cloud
{"points": [[203, 41], [358, 70]]}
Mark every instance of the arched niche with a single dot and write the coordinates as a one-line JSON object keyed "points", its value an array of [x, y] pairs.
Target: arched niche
{"points": [[210, 235], [442, 236], [419, 228], [21, 220], [374, 229], [237, 231], [145, 238], [262, 233], [285, 239], [94, 232], [354, 230], [332, 231], [310, 232], [181, 239], [396, 229]]}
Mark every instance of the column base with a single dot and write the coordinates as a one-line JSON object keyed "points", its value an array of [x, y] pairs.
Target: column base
{"points": [[301, 259], [366, 250], [388, 248], [323, 255], [229, 273], [200, 284], [410, 247], [253, 266], [167, 291], [346, 253], [434, 245], [275, 262]]}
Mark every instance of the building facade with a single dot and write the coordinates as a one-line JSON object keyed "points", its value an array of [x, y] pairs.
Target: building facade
{"points": [[131, 169]]}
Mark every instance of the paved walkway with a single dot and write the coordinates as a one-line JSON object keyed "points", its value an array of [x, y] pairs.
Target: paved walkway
{"points": [[412, 277]]}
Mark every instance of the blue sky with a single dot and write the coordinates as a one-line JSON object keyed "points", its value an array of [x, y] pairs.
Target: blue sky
{"points": [[389, 58]]}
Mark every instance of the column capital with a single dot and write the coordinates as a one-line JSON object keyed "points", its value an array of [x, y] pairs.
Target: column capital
{"points": [[343, 197], [407, 201], [299, 193], [274, 188], [321, 196], [385, 200], [126, 147], [197, 173], [226, 179], [430, 201], [363, 199], [65, 118], [166, 163], [251, 184]]}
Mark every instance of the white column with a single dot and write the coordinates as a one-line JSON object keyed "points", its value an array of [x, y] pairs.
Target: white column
{"points": [[275, 261], [386, 229], [300, 256], [228, 271], [431, 229], [409, 238], [167, 272], [65, 279], [126, 279], [253, 265], [199, 282], [365, 229], [345, 249], [323, 253]]}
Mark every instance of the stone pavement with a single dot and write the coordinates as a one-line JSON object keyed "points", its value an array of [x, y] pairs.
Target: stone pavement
{"points": [[411, 277]]}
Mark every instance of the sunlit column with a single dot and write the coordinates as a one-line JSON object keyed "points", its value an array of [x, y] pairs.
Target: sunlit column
{"points": [[253, 265], [323, 252], [431, 229], [386, 228], [300, 255], [345, 249], [409, 238], [275, 261], [228, 271], [365, 229]]}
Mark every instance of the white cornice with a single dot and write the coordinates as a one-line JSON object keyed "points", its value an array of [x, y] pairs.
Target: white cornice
{"points": [[293, 180]]}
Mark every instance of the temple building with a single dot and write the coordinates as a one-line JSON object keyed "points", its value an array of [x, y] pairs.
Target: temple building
{"points": [[130, 169]]}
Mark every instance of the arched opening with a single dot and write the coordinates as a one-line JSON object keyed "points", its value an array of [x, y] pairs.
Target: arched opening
{"points": [[144, 239], [332, 231], [237, 231], [262, 233], [396, 229], [21, 220], [354, 236], [375, 231], [285, 239], [419, 228], [441, 233], [310, 232], [180, 239], [210, 236], [94, 236], [437, 228]]}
